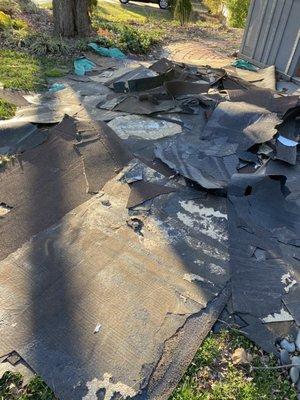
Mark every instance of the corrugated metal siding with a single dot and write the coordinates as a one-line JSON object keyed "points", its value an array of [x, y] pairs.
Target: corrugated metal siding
{"points": [[272, 35]]}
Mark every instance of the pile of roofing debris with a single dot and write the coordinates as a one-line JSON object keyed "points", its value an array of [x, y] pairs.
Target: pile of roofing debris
{"points": [[158, 196]]}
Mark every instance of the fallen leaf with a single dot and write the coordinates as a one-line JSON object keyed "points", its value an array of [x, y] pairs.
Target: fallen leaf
{"points": [[240, 356]]}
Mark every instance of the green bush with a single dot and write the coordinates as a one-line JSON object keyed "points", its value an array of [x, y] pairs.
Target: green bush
{"points": [[238, 11], [43, 44], [182, 12], [9, 7], [5, 21], [135, 40], [18, 24], [126, 37], [214, 6]]}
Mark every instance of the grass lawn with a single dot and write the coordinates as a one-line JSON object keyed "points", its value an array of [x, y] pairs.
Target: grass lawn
{"points": [[211, 376], [7, 110], [134, 12], [19, 70]]}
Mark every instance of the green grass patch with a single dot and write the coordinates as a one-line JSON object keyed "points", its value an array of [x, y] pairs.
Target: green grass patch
{"points": [[7, 110], [131, 13], [25, 72], [212, 375], [19, 70], [11, 388], [118, 13]]}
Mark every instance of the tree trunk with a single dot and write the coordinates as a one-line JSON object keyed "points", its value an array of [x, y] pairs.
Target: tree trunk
{"points": [[71, 17]]}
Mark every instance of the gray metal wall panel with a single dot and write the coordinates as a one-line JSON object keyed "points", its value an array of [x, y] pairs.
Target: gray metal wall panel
{"points": [[282, 24], [272, 34], [263, 30], [251, 34]]}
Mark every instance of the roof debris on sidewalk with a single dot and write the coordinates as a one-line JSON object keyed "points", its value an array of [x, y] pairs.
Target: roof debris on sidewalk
{"points": [[145, 202]]}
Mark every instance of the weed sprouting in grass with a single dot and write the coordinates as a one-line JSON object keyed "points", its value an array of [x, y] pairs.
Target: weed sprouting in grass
{"points": [[7, 110]]}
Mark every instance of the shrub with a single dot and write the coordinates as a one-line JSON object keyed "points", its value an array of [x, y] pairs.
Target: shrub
{"points": [[9, 7], [5, 21], [126, 37], [43, 44], [238, 10], [182, 12], [172, 5], [18, 24], [214, 6], [136, 40]]}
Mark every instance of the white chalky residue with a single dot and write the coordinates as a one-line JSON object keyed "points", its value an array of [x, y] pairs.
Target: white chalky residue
{"points": [[186, 219], [192, 207], [213, 268], [193, 277], [196, 278], [110, 388], [203, 219], [207, 249], [288, 281], [278, 317], [144, 127], [216, 269]]}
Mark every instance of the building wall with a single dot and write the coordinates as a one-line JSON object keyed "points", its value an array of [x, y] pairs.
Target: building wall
{"points": [[272, 35]]}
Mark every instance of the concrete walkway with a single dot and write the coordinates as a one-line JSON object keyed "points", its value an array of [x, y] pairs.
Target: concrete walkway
{"points": [[195, 52]]}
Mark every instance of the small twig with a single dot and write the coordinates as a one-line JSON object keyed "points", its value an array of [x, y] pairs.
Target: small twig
{"points": [[231, 327], [278, 366]]}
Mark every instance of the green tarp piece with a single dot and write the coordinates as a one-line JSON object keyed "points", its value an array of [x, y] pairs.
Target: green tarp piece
{"points": [[243, 64], [107, 52], [56, 87], [83, 65]]}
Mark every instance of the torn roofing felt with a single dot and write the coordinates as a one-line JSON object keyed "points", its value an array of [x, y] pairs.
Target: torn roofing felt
{"points": [[142, 191], [14, 96], [16, 136], [211, 156], [50, 180], [153, 286], [103, 155], [143, 106], [265, 99], [264, 78], [264, 231]]}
